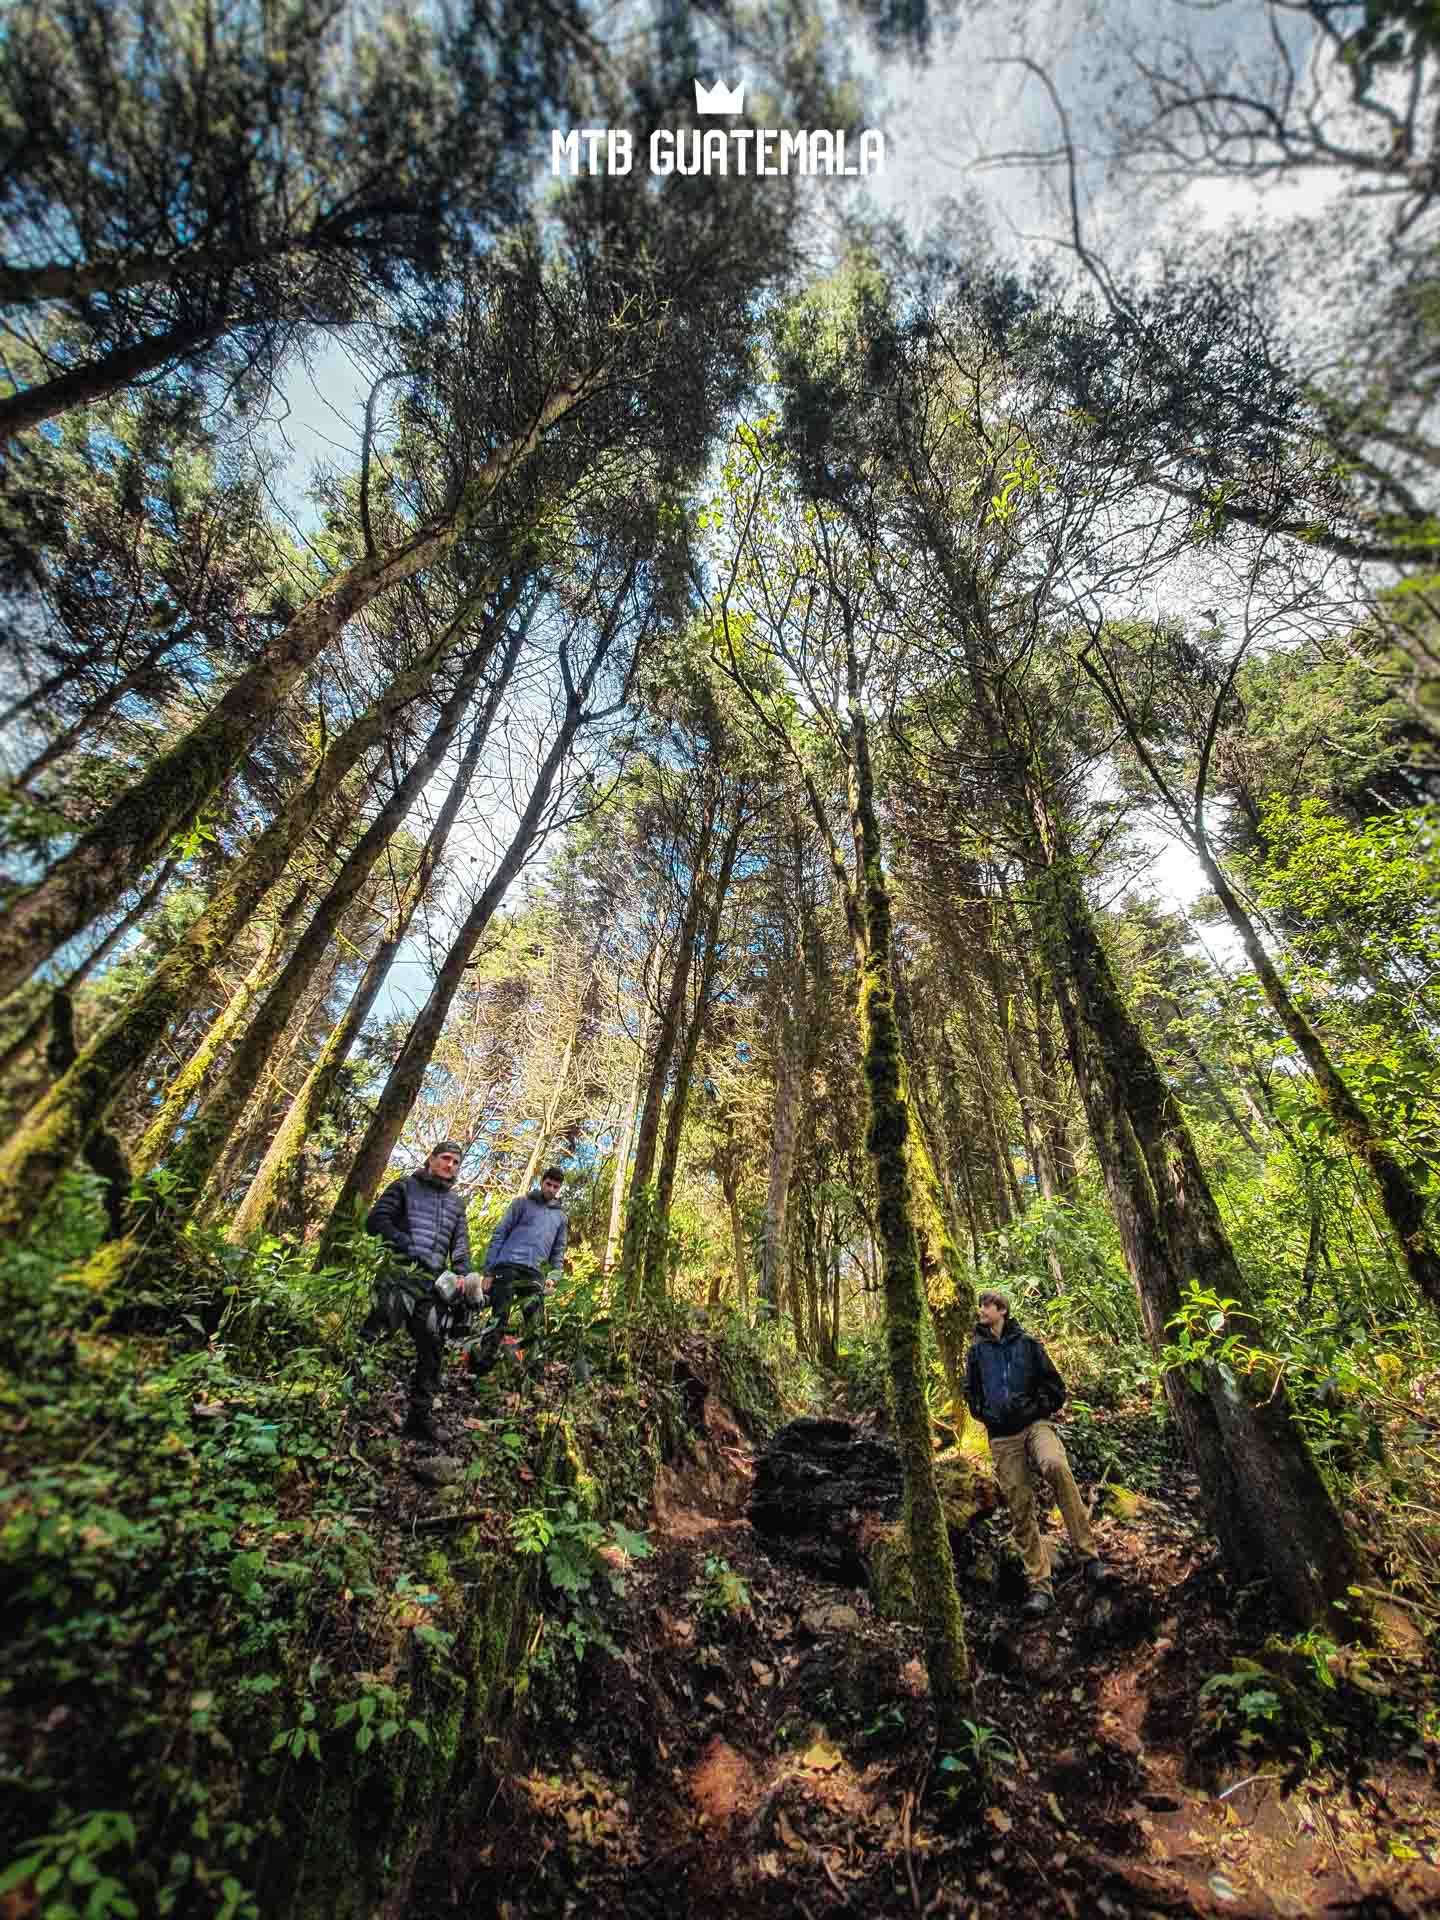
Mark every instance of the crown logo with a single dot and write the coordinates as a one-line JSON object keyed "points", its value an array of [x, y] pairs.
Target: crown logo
{"points": [[719, 98]]}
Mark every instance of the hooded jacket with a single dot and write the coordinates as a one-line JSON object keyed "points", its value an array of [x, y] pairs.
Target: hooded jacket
{"points": [[1011, 1382], [531, 1233], [423, 1219]]}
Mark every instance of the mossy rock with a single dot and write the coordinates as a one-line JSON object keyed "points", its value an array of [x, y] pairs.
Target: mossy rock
{"points": [[967, 1493]]}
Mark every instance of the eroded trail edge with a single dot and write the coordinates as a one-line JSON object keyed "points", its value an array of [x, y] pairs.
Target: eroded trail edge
{"points": [[755, 1741]]}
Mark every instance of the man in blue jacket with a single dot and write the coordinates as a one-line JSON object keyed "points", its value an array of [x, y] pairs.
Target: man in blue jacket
{"points": [[529, 1238], [423, 1219], [1012, 1386]]}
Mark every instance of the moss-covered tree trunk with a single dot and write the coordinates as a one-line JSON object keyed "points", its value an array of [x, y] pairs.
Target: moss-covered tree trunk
{"points": [[208, 1132], [174, 790], [188, 1083], [667, 1034], [1270, 1508], [655, 1282], [932, 1566], [60, 1124], [730, 1187], [794, 989]]}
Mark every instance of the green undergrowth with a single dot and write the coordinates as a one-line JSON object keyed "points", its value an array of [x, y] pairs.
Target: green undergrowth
{"points": [[246, 1658]]}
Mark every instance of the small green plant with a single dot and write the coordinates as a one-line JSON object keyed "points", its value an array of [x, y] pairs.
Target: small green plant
{"points": [[574, 1548], [722, 1590], [1208, 1333], [66, 1870], [375, 1715], [974, 1761], [1244, 1702]]}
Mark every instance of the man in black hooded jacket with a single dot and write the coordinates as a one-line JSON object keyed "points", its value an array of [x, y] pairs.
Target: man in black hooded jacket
{"points": [[423, 1219], [1012, 1386]]}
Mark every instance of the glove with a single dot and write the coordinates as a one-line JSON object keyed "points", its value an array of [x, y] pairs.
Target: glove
{"points": [[447, 1286]]}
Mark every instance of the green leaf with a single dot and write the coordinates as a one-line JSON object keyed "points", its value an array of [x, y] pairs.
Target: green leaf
{"points": [[21, 1871], [363, 1739]]}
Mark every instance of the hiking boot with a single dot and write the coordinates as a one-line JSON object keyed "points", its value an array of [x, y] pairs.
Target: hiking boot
{"points": [[1094, 1570], [420, 1426], [1038, 1601]]}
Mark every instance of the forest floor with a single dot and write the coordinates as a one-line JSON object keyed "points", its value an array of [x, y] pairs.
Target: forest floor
{"points": [[754, 1742]]}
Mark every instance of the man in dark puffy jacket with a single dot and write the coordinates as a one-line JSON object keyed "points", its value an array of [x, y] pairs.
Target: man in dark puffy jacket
{"points": [[423, 1219], [1012, 1386], [529, 1238]]}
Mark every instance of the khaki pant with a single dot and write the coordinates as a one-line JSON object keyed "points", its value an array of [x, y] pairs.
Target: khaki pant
{"points": [[1039, 1446]]}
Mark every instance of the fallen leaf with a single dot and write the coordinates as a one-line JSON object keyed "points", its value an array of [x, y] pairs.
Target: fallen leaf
{"points": [[761, 1672], [999, 1819], [207, 1409], [822, 1757], [1054, 1805], [787, 1833], [714, 1700]]}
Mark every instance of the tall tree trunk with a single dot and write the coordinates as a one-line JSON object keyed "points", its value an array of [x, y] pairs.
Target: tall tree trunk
{"points": [[730, 1187], [931, 1564], [190, 1080], [1270, 1507], [175, 788], [95, 380], [276, 1169], [1401, 1197], [210, 1129], [402, 1087], [667, 1033], [794, 993], [627, 1131], [949, 1285], [655, 1278], [782, 1161], [60, 1124], [272, 1099]]}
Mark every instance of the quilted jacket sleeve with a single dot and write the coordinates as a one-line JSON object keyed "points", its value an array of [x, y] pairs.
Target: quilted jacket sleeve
{"points": [[387, 1219], [502, 1234]]}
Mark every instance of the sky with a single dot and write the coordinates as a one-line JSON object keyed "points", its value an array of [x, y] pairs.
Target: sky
{"points": [[944, 122]]}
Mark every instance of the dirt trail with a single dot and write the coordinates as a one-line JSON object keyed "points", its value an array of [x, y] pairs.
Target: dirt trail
{"points": [[756, 1745]]}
